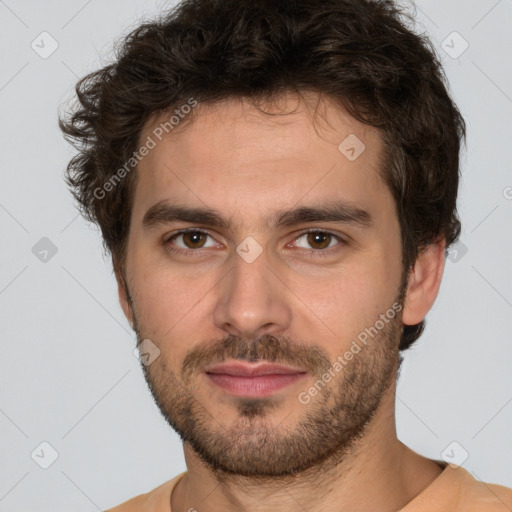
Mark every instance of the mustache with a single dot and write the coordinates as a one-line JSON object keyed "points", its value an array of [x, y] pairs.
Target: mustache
{"points": [[267, 348]]}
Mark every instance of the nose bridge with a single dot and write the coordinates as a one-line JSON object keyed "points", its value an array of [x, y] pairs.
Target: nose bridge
{"points": [[252, 301]]}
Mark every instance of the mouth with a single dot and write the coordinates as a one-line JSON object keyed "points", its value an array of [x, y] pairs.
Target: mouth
{"points": [[253, 380]]}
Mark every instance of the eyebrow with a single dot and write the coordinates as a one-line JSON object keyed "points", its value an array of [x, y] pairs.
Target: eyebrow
{"points": [[339, 211]]}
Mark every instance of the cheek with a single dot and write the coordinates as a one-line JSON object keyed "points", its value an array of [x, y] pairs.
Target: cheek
{"points": [[353, 303], [172, 306], [352, 297], [163, 298], [162, 307]]}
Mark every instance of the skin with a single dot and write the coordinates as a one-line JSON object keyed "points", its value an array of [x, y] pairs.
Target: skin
{"points": [[288, 305]]}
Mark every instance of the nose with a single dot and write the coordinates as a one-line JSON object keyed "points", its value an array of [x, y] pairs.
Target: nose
{"points": [[252, 300]]}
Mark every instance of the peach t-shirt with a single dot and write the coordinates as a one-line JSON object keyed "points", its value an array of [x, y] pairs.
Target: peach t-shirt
{"points": [[454, 490]]}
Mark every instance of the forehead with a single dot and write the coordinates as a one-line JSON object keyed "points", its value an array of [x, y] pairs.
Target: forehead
{"points": [[231, 155]]}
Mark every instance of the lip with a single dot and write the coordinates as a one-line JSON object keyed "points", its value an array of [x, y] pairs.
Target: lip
{"points": [[253, 380], [242, 369]]}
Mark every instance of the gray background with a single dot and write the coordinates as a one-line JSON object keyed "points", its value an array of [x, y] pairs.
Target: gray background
{"points": [[68, 374]]}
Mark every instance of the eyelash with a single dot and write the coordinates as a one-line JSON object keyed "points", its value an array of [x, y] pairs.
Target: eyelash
{"points": [[315, 252]]}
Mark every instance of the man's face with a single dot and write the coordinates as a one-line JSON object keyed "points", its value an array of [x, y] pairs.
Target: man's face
{"points": [[255, 290]]}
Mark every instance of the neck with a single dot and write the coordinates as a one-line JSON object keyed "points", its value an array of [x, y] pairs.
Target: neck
{"points": [[377, 473]]}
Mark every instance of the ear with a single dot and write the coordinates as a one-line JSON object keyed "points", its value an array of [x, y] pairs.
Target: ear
{"points": [[424, 282], [123, 297]]}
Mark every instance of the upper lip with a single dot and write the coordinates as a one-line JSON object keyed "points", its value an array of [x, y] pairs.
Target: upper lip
{"points": [[251, 370]]}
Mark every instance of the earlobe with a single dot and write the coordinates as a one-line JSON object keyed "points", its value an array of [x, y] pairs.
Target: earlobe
{"points": [[122, 292], [424, 283]]}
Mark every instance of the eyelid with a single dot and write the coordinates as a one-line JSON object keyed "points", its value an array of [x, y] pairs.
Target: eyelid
{"points": [[298, 235], [184, 231], [329, 250], [320, 230]]}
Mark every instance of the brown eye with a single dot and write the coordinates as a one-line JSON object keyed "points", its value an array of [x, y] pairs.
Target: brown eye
{"points": [[319, 240], [189, 240], [194, 239]]}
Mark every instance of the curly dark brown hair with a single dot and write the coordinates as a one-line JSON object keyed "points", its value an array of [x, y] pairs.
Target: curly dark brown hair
{"points": [[361, 53]]}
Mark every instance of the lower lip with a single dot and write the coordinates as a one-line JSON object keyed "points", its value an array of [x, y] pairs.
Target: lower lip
{"points": [[256, 386]]}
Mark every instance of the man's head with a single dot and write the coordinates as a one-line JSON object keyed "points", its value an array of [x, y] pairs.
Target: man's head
{"points": [[252, 125]]}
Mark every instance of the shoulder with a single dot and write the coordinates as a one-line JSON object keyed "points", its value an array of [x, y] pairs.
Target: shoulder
{"points": [[457, 490], [480, 496], [157, 499]]}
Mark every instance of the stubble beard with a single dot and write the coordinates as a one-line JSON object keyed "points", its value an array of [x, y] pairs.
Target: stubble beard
{"points": [[256, 445]]}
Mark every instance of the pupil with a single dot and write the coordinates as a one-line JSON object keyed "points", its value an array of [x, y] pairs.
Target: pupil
{"points": [[195, 236], [316, 238]]}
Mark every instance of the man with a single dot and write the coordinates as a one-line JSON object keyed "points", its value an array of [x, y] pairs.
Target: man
{"points": [[276, 181]]}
